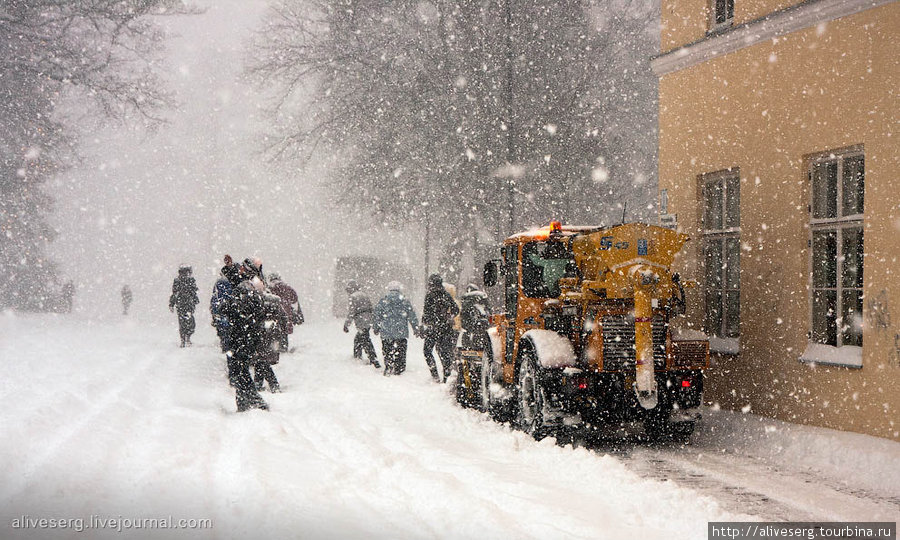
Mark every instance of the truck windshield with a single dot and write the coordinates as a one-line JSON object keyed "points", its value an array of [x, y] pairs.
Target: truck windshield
{"points": [[543, 264]]}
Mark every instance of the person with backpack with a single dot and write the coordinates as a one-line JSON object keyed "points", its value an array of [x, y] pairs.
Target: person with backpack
{"points": [[222, 292], [475, 317], [246, 313], [360, 314]]}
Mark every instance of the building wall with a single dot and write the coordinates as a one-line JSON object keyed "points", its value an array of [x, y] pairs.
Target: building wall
{"points": [[764, 108], [686, 21]]}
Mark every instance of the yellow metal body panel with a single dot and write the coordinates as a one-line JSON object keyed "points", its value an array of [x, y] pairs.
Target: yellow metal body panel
{"points": [[613, 264]]}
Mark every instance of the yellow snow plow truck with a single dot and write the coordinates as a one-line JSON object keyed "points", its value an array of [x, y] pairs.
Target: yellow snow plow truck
{"points": [[583, 340]]}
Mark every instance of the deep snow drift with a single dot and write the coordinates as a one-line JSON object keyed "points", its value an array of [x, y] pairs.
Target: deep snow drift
{"points": [[112, 419]]}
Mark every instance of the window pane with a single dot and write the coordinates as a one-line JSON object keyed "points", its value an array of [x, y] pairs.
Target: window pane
{"points": [[713, 261], [712, 193], [852, 253], [733, 263], [732, 314], [714, 313], [824, 259], [533, 271], [720, 11], [824, 317], [729, 9], [824, 180], [853, 187], [733, 202], [851, 324]]}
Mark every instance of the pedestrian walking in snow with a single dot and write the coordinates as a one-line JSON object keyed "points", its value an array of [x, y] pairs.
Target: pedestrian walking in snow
{"points": [[393, 317], [222, 292], [360, 314], [246, 313], [127, 297], [475, 317], [184, 300], [269, 351], [288, 297], [437, 327], [68, 296]]}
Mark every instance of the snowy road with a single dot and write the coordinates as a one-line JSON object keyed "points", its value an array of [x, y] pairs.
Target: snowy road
{"points": [[113, 420]]}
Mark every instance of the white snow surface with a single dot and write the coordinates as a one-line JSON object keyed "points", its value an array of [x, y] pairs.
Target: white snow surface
{"points": [[849, 356], [112, 419]]}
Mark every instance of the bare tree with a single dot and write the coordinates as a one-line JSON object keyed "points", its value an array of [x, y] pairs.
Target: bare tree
{"points": [[493, 111], [97, 52]]}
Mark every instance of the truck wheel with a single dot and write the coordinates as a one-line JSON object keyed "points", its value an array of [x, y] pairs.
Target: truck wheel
{"points": [[682, 431], [656, 426], [530, 417]]}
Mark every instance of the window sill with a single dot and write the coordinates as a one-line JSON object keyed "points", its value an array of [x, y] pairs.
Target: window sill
{"points": [[848, 356], [720, 28], [729, 346]]}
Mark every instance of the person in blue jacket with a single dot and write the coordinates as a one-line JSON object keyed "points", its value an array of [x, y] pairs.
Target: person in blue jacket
{"points": [[222, 293], [393, 317]]}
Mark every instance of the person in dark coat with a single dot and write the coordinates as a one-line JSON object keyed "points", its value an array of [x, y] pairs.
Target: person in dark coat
{"points": [[437, 326], [184, 300], [288, 297], [68, 296], [246, 313], [361, 314], [269, 351], [393, 317], [222, 292], [127, 297], [475, 314]]}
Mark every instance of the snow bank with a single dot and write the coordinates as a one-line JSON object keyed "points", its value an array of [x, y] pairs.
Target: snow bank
{"points": [[870, 462]]}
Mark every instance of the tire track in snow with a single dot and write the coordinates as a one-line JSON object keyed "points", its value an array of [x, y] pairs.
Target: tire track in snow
{"points": [[29, 469], [748, 485]]}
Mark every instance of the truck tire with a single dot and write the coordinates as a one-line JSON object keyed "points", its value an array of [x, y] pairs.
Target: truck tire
{"points": [[682, 431], [530, 394], [660, 427], [656, 423], [487, 377]]}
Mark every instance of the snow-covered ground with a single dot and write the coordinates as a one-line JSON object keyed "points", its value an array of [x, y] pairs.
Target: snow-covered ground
{"points": [[112, 420]]}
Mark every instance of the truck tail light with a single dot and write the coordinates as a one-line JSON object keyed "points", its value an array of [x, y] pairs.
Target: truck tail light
{"points": [[580, 383]]}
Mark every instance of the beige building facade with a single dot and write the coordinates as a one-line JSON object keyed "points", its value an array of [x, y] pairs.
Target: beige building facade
{"points": [[779, 155]]}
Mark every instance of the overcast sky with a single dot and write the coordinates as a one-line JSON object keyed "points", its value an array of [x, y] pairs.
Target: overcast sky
{"points": [[142, 203]]}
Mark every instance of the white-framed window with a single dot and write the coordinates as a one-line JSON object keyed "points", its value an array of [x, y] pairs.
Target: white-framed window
{"points": [[721, 14], [837, 192], [721, 192]]}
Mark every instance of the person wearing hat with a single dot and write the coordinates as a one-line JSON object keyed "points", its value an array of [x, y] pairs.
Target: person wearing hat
{"points": [[437, 326], [288, 297], [246, 313], [184, 300], [475, 316], [222, 292], [360, 314], [393, 317]]}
